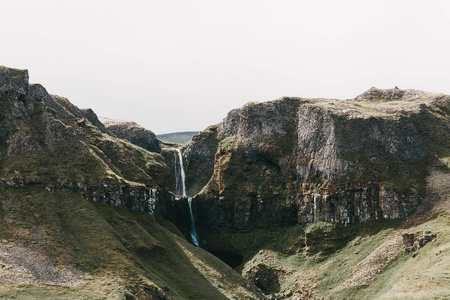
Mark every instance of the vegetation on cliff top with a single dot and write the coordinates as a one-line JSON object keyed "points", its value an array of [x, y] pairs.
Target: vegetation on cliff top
{"points": [[177, 137]]}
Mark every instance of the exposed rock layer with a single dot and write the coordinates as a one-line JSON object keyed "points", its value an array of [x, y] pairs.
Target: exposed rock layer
{"points": [[57, 165], [307, 160], [38, 130]]}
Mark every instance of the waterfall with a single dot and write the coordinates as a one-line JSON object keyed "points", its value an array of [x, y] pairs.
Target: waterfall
{"points": [[194, 235], [180, 177], [180, 189]]}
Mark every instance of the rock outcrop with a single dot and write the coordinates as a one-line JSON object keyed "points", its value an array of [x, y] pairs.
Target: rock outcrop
{"points": [[13, 81], [414, 241], [297, 160], [199, 154], [133, 133], [39, 130]]}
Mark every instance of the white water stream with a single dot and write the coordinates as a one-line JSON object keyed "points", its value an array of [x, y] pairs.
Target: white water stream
{"points": [[180, 186]]}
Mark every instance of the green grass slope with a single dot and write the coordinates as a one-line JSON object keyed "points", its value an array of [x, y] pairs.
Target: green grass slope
{"points": [[78, 249], [177, 137], [359, 261]]}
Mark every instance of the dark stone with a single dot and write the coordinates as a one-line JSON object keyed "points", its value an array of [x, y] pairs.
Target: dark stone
{"points": [[266, 278], [415, 241], [13, 82]]}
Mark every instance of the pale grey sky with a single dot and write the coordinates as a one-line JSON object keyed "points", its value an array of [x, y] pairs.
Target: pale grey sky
{"points": [[182, 65]]}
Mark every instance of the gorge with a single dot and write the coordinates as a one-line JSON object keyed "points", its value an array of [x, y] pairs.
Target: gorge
{"points": [[301, 198]]}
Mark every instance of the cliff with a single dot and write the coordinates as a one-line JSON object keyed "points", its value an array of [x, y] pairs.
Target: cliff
{"points": [[39, 130], [84, 214], [298, 160], [329, 199]]}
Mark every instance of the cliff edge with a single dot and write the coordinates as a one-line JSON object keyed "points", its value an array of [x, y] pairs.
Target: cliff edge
{"points": [[299, 160]]}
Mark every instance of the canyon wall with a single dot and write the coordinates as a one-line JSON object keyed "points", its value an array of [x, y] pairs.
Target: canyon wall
{"points": [[298, 160]]}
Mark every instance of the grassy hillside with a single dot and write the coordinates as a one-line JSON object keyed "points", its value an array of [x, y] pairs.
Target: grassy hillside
{"points": [[372, 260], [177, 137], [61, 246]]}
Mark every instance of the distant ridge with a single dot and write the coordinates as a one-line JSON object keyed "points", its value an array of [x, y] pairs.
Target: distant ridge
{"points": [[177, 137]]}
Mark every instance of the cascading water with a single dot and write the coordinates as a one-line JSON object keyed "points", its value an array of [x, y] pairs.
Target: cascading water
{"points": [[194, 235], [180, 186], [179, 174]]}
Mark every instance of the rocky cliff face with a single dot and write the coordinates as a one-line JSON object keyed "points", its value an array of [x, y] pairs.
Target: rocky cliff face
{"points": [[38, 130], [80, 210], [307, 160], [199, 154], [133, 133], [13, 81]]}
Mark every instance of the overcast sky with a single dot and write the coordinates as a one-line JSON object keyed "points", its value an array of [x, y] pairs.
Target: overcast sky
{"points": [[182, 65]]}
